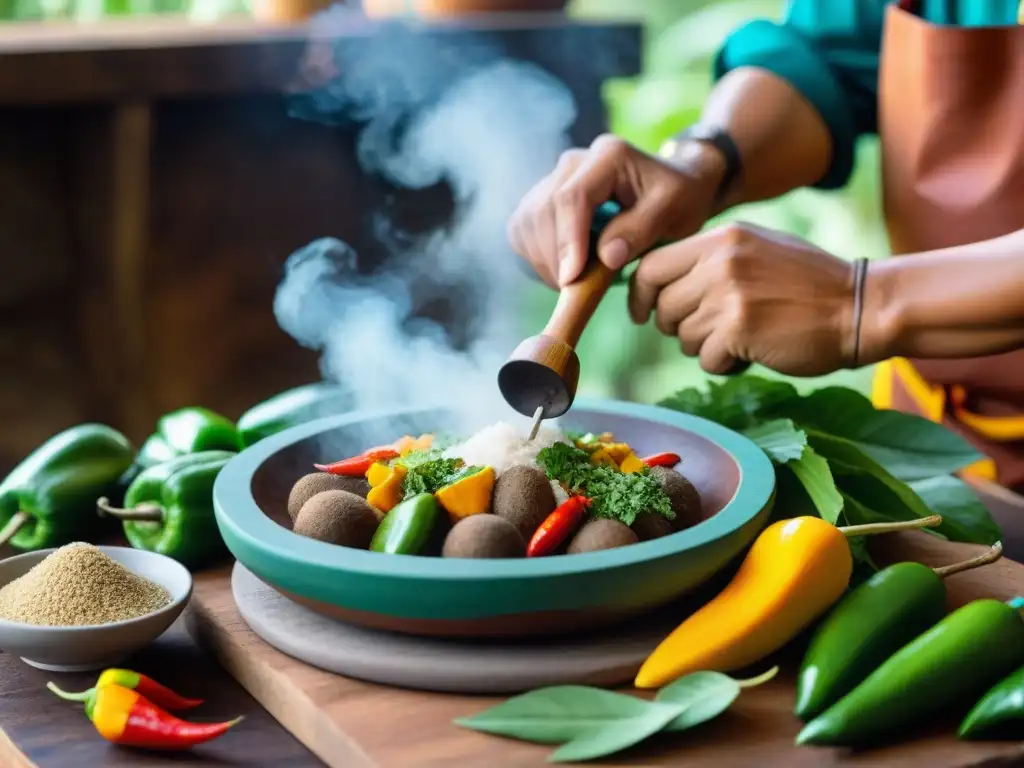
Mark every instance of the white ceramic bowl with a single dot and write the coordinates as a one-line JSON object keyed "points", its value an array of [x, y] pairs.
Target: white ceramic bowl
{"points": [[81, 649]]}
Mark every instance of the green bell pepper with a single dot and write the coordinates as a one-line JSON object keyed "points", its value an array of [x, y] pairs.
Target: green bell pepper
{"points": [[408, 528], [290, 408], [188, 430], [953, 662], [49, 499], [871, 623], [169, 509], [1000, 713]]}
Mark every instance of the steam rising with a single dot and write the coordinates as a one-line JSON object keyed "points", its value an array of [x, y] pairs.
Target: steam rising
{"points": [[488, 127]]}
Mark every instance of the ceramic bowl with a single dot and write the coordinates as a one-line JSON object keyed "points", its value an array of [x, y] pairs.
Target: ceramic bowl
{"points": [[80, 649], [496, 598]]}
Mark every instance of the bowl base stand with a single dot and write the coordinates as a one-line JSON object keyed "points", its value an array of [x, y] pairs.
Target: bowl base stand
{"points": [[610, 657], [111, 661]]}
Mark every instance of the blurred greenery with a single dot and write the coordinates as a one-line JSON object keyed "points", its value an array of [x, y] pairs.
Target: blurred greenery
{"points": [[681, 37]]}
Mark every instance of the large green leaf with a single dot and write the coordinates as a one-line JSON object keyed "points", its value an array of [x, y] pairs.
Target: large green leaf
{"points": [[705, 695], [791, 497], [908, 446], [739, 402], [964, 517], [779, 438], [860, 476], [588, 722], [814, 473]]}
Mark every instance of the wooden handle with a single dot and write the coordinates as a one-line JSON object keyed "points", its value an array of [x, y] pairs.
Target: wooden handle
{"points": [[577, 302]]}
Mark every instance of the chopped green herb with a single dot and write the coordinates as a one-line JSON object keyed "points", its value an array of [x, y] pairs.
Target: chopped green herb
{"points": [[612, 493], [430, 476], [416, 458]]}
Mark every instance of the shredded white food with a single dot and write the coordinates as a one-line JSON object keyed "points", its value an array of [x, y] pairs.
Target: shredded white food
{"points": [[560, 495], [503, 445]]}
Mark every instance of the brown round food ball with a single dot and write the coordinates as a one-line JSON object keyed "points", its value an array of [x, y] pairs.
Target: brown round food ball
{"points": [[651, 525], [317, 482], [684, 497], [338, 517], [484, 536], [601, 533], [523, 496]]}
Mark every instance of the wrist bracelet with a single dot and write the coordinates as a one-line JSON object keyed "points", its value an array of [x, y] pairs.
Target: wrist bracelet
{"points": [[720, 140], [860, 274]]}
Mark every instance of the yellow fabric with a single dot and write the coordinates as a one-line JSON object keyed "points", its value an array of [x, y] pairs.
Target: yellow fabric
{"points": [[931, 401]]}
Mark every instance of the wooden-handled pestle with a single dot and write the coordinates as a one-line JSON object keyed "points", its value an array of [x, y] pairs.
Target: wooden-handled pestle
{"points": [[543, 371], [539, 379]]}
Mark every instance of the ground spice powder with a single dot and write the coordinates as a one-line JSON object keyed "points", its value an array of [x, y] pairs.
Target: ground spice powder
{"points": [[78, 585]]}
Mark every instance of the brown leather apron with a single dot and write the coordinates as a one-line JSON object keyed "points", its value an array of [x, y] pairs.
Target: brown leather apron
{"points": [[951, 123]]}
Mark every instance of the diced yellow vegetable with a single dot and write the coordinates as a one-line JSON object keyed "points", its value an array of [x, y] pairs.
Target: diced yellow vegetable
{"points": [[469, 496], [387, 494], [631, 464], [618, 451], [600, 456], [377, 473]]}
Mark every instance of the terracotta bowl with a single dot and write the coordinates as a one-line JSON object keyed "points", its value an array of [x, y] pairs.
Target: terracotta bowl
{"points": [[493, 598]]}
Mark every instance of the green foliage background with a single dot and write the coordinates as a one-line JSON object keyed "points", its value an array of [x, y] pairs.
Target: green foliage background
{"points": [[681, 37]]}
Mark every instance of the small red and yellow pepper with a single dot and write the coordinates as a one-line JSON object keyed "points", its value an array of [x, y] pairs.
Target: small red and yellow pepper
{"points": [[665, 459], [357, 466], [558, 526], [141, 684], [125, 717]]}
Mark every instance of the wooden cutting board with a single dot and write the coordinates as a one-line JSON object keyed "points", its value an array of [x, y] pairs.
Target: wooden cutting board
{"points": [[349, 723]]}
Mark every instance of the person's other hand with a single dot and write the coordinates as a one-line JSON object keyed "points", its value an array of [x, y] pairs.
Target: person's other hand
{"points": [[551, 226], [742, 293]]}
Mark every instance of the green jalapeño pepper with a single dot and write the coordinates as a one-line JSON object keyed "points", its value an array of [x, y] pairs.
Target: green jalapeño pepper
{"points": [[292, 407], [953, 662], [169, 509], [407, 529], [188, 430], [870, 624], [1000, 713], [48, 499]]}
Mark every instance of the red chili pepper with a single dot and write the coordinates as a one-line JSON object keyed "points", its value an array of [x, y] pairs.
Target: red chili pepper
{"points": [[122, 716], [145, 686], [557, 526], [357, 465], [662, 460]]}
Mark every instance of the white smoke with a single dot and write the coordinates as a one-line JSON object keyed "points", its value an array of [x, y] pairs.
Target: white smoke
{"points": [[488, 127]]}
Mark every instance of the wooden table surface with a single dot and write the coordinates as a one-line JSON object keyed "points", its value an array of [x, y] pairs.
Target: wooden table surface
{"points": [[55, 734], [44, 732]]}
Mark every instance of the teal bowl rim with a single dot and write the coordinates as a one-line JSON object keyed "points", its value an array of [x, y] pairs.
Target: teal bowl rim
{"points": [[246, 522]]}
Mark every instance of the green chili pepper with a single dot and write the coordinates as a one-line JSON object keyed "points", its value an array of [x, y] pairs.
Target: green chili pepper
{"points": [[292, 407], [169, 509], [953, 662], [188, 430], [407, 529], [1000, 713], [48, 499], [870, 624]]}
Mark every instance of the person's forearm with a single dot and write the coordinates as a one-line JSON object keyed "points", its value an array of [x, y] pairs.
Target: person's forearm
{"points": [[966, 301], [782, 140]]}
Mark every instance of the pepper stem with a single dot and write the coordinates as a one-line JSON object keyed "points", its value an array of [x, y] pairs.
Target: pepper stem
{"points": [[83, 696], [10, 530], [149, 513], [759, 680], [906, 525], [993, 554]]}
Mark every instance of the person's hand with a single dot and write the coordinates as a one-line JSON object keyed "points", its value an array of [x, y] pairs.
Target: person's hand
{"points": [[741, 293], [551, 226]]}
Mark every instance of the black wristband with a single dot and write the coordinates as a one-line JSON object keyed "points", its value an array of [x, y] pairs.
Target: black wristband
{"points": [[724, 143]]}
